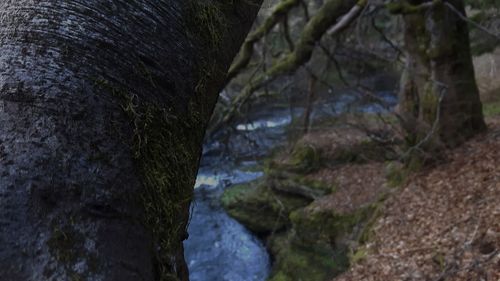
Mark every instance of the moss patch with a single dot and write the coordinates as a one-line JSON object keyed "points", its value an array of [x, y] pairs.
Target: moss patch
{"points": [[164, 146], [316, 224], [429, 103], [295, 261], [286, 183], [491, 109], [305, 158], [313, 249], [206, 20], [167, 161], [306, 243], [395, 173], [260, 208], [358, 255]]}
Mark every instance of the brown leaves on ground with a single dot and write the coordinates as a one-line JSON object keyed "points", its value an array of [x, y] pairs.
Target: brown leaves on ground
{"points": [[444, 224], [355, 186]]}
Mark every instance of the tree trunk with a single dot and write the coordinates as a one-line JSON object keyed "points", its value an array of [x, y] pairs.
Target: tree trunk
{"points": [[439, 101], [103, 107]]}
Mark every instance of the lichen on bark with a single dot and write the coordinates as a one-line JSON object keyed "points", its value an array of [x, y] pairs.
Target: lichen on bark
{"points": [[99, 108], [439, 102]]}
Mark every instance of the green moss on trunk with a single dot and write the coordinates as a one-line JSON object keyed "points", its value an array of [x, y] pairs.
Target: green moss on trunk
{"points": [[439, 103], [165, 147]]}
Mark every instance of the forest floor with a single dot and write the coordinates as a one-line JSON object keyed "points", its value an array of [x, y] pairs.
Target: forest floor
{"points": [[442, 223], [439, 223]]}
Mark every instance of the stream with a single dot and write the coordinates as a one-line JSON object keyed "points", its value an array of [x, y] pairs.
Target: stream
{"points": [[218, 247]]}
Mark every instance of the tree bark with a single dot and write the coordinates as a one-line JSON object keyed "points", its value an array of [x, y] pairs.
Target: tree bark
{"points": [[103, 107], [439, 101]]}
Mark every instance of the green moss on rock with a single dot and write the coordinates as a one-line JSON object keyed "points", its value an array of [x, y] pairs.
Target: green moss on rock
{"points": [[305, 243], [305, 158], [264, 205], [260, 208], [298, 184], [313, 249], [295, 261], [318, 224]]}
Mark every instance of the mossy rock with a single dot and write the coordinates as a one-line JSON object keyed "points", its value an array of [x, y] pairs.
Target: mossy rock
{"points": [[264, 205], [299, 185], [326, 225], [304, 159], [259, 208], [312, 249], [295, 261]]}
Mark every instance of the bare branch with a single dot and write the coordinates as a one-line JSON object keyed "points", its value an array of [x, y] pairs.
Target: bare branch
{"points": [[286, 33], [246, 52], [336, 13], [435, 126], [475, 24], [406, 8]]}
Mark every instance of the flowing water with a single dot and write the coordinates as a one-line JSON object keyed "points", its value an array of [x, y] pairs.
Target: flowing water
{"points": [[218, 247]]}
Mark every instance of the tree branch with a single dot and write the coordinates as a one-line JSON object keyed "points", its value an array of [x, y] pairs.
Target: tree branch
{"points": [[405, 8], [326, 17], [247, 49], [475, 24]]}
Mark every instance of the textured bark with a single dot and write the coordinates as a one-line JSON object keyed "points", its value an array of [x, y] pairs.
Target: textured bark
{"points": [[438, 67], [311, 96], [103, 106]]}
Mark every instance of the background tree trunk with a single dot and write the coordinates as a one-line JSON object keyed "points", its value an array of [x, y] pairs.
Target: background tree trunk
{"points": [[103, 106], [438, 89], [311, 96]]}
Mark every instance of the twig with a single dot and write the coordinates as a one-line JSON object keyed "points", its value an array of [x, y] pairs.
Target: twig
{"points": [[464, 18], [387, 40], [434, 125]]}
